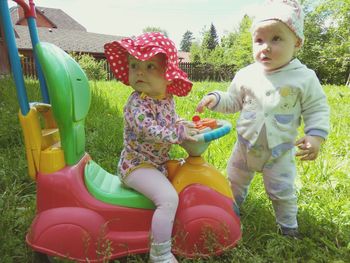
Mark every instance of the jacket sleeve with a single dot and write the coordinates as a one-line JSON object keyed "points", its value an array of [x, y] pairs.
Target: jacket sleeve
{"points": [[229, 101], [315, 109]]}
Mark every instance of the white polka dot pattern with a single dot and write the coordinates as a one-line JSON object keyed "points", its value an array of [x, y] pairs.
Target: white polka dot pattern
{"points": [[143, 48]]}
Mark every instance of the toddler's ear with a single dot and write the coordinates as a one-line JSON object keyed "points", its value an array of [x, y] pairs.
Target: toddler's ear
{"points": [[298, 44]]}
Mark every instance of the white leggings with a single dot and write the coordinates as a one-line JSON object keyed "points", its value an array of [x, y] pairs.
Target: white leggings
{"points": [[278, 173], [156, 186]]}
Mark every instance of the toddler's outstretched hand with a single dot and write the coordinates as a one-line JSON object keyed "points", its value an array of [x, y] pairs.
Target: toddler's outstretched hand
{"points": [[208, 101], [309, 147]]}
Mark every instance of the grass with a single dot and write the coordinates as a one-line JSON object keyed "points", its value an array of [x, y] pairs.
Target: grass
{"points": [[323, 185]]}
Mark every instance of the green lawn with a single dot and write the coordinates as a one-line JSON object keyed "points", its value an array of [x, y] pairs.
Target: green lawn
{"points": [[324, 185]]}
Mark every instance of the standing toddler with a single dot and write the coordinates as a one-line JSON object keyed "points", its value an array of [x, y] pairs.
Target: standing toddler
{"points": [[273, 96]]}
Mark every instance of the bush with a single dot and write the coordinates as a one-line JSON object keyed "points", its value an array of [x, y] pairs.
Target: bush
{"points": [[93, 68]]}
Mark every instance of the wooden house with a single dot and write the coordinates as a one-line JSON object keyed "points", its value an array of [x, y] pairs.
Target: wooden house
{"points": [[56, 27]]}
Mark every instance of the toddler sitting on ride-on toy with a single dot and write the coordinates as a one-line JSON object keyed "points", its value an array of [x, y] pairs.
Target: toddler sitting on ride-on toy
{"points": [[149, 64]]}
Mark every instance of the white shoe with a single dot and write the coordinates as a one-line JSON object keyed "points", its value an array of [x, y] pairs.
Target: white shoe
{"points": [[161, 253], [173, 259]]}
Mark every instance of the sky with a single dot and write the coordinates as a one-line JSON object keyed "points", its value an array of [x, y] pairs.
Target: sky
{"points": [[130, 17]]}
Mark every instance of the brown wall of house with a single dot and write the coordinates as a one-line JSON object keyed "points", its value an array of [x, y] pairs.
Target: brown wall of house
{"points": [[4, 62], [26, 53], [40, 20]]}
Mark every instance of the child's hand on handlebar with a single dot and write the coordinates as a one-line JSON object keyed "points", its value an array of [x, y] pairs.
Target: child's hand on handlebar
{"points": [[190, 131]]}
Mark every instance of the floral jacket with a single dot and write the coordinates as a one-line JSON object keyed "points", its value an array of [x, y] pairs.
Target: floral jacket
{"points": [[151, 128]]}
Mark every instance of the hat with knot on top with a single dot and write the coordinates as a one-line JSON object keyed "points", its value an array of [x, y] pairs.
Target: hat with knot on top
{"points": [[143, 48], [288, 12]]}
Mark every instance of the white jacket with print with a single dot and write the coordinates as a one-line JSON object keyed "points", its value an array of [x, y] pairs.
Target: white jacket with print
{"points": [[278, 100]]}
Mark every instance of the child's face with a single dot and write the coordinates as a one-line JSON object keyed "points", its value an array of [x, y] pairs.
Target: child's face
{"points": [[148, 76], [274, 44]]}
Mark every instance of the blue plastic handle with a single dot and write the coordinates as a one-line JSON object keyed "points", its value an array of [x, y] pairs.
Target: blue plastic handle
{"points": [[224, 128]]}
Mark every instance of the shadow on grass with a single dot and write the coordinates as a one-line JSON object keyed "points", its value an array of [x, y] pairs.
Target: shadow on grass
{"points": [[104, 130], [321, 241], [17, 190]]}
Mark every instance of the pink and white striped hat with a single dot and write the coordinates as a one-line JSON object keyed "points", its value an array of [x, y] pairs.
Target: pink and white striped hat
{"points": [[288, 12], [143, 48]]}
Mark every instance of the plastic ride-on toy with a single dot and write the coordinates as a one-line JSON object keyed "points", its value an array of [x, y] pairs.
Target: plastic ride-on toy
{"points": [[86, 214]]}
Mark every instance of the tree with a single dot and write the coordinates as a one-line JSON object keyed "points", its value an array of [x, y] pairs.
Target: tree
{"points": [[155, 29], [239, 50], [214, 39], [186, 41], [210, 40], [327, 40], [228, 40], [195, 53]]}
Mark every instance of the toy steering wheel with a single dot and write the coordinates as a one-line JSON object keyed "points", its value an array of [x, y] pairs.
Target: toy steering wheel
{"points": [[213, 129], [210, 129], [208, 135]]}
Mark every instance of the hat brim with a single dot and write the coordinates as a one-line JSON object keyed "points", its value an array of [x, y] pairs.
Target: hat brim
{"points": [[117, 53]]}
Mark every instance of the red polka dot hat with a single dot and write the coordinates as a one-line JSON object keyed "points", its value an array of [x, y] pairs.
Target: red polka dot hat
{"points": [[143, 48]]}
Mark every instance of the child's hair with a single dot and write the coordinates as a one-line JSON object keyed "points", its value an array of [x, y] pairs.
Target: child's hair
{"points": [[143, 48], [288, 12]]}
